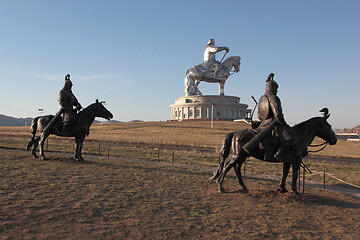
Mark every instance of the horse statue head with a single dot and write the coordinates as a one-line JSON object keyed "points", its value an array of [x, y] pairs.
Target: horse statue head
{"points": [[101, 111], [232, 62], [324, 130]]}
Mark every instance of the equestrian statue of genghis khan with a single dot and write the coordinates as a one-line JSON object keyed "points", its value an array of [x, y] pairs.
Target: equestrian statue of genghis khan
{"points": [[273, 140], [68, 121], [211, 70]]}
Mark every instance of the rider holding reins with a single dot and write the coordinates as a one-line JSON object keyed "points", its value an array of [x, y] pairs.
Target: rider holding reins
{"points": [[210, 63]]}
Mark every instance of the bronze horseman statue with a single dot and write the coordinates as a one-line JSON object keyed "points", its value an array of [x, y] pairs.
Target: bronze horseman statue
{"points": [[211, 70], [272, 140], [68, 121]]}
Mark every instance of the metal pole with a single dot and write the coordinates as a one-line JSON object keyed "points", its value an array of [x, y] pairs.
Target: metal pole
{"points": [[304, 181], [212, 114], [173, 158], [244, 168], [108, 153], [324, 179], [299, 172]]}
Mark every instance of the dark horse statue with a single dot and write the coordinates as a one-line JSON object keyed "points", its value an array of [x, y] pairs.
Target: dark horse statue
{"points": [[305, 134], [80, 129]]}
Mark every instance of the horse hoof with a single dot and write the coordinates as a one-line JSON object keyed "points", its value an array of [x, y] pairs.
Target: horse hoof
{"points": [[35, 156], [43, 158], [213, 177], [282, 190], [221, 190], [245, 190], [296, 192]]}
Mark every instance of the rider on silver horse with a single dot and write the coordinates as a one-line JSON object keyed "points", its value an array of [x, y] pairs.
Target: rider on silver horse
{"points": [[67, 101], [210, 65]]}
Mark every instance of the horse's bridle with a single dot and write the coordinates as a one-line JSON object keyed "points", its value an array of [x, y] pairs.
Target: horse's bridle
{"points": [[324, 144]]}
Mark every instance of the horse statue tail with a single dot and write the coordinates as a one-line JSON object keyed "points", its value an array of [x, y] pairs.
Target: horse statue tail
{"points": [[33, 129], [189, 90], [225, 149], [191, 83], [224, 153]]}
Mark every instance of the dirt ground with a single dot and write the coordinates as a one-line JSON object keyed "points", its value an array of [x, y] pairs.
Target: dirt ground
{"points": [[121, 199]]}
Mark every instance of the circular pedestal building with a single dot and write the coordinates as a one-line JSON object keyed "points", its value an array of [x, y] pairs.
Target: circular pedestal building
{"points": [[208, 107]]}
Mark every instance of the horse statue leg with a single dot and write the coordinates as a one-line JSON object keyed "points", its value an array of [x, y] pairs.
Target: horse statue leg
{"points": [[41, 149], [238, 157], [286, 168], [35, 145], [79, 140], [221, 88], [33, 142], [238, 174], [295, 175]]}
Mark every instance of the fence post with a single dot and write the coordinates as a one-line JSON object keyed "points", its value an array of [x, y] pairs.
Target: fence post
{"points": [[244, 168], [304, 181], [299, 177], [324, 179]]}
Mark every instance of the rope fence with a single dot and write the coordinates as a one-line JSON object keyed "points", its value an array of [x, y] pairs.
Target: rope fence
{"points": [[173, 158], [334, 177]]}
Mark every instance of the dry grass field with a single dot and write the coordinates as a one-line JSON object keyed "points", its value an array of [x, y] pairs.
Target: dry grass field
{"points": [[130, 195]]}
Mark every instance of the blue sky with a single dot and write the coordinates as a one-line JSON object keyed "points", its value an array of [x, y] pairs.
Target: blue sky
{"points": [[134, 54]]}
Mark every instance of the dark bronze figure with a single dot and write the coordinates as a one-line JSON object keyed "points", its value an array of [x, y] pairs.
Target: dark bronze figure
{"points": [[281, 143], [67, 101], [305, 133], [273, 140], [79, 130]]}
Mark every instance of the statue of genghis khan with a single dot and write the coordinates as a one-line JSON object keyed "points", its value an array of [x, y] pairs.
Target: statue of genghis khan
{"points": [[210, 65], [211, 70], [67, 101], [274, 134]]}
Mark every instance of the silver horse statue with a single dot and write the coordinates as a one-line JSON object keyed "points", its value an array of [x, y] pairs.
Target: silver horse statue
{"points": [[210, 70]]}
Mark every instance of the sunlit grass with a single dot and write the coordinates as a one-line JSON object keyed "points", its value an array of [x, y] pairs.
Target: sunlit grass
{"points": [[191, 142]]}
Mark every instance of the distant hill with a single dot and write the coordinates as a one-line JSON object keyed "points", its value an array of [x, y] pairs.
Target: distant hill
{"points": [[7, 121], [11, 121], [353, 130], [106, 121]]}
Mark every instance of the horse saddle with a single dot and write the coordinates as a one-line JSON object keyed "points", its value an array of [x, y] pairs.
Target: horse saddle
{"points": [[208, 71], [268, 142]]}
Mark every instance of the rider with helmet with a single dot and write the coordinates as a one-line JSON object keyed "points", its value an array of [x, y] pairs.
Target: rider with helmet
{"points": [[210, 64], [67, 101], [270, 110]]}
